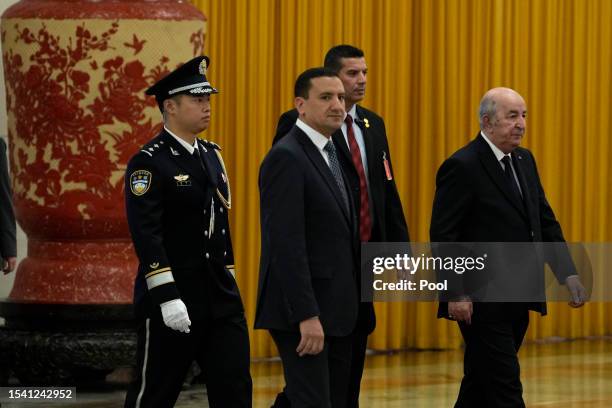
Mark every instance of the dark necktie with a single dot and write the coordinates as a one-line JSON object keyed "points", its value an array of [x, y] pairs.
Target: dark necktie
{"points": [[334, 166], [365, 223], [510, 178]]}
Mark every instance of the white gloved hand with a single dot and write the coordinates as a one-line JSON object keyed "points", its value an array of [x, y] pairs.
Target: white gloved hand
{"points": [[175, 315]]}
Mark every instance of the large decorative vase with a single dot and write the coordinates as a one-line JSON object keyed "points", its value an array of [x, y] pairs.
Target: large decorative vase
{"points": [[75, 74]]}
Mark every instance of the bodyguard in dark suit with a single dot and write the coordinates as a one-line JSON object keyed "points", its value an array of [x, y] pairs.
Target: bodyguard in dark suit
{"points": [[177, 199], [363, 152], [8, 241], [308, 296], [490, 191]]}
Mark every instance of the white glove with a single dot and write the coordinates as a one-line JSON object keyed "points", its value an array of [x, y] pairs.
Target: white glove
{"points": [[175, 315]]}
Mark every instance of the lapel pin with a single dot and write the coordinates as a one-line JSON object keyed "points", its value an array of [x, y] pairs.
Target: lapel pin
{"points": [[174, 152], [367, 122]]}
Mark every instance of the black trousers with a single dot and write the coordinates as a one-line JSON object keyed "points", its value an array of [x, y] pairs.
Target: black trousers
{"points": [[359, 343], [221, 348], [319, 381], [491, 371]]}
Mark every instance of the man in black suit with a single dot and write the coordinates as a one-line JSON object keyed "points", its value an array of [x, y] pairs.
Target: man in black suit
{"points": [[308, 296], [490, 191], [366, 160], [8, 242], [185, 296]]}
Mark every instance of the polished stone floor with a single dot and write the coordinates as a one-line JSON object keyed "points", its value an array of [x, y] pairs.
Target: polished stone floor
{"points": [[576, 374]]}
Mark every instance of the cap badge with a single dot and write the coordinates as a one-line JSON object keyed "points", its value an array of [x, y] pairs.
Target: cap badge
{"points": [[202, 68]]}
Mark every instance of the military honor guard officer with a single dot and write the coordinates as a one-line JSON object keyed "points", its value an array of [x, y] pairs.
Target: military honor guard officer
{"points": [[186, 298]]}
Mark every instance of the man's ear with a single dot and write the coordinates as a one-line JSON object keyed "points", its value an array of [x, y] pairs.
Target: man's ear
{"points": [[486, 122], [170, 105], [299, 104]]}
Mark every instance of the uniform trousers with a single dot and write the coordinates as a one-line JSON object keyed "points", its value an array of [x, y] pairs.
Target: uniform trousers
{"points": [[220, 347]]}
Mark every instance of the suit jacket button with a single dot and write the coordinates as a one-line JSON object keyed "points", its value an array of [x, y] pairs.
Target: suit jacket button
{"points": [[221, 209], [532, 234], [207, 255], [206, 233], [223, 231]]}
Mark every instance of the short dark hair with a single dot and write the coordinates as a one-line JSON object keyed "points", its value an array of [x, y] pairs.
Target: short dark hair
{"points": [[303, 82], [333, 58], [160, 101]]}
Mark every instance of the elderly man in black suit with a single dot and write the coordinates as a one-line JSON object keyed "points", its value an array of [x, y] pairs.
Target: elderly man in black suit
{"points": [[308, 295], [490, 191], [8, 242], [363, 152]]}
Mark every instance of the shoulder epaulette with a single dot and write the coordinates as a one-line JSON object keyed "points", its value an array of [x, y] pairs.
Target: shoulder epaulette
{"points": [[211, 145], [152, 147]]}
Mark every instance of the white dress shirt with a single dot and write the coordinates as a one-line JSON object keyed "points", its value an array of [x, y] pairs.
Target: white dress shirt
{"points": [[499, 155], [359, 138], [317, 138], [190, 148]]}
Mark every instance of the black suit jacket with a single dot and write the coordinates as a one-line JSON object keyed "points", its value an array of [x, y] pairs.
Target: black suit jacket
{"points": [[179, 225], [473, 204], [388, 221], [8, 242], [309, 242]]}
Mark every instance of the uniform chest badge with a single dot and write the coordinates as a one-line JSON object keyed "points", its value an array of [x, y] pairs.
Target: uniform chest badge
{"points": [[182, 180], [140, 181]]}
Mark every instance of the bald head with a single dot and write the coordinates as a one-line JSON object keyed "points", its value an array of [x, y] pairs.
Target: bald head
{"points": [[502, 115]]}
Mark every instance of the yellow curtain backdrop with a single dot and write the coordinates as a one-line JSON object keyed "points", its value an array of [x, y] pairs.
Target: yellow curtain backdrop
{"points": [[429, 62]]}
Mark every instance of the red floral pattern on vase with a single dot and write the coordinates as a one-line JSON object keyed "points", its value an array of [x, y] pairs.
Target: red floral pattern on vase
{"points": [[77, 112]]}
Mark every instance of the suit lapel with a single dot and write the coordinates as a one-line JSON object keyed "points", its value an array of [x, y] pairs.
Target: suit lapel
{"points": [[319, 163], [208, 165], [340, 142], [489, 161], [185, 160], [367, 135], [519, 167], [374, 155]]}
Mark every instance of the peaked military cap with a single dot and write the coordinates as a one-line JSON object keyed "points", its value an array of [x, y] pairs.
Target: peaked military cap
{"points": [[189, 78]]}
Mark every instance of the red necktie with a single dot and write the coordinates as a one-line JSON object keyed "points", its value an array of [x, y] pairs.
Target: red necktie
{"points": [[365, 223]]}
